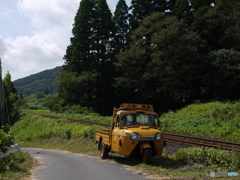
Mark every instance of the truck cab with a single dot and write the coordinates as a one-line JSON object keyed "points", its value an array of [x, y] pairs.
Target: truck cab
{"points": [[135, 130]]}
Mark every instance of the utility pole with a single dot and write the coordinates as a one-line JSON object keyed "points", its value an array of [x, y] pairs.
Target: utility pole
{"points": [[3, 105]]}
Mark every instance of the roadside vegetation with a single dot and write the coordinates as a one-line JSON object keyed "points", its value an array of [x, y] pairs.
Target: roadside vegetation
{"points": [[19, 166], [176, 64], [33, 127], [215, 120], [192, 163], [13, 166]]}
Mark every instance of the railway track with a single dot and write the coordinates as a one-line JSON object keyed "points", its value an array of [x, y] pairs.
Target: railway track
{"points": [[169, 137], [201, 141]]}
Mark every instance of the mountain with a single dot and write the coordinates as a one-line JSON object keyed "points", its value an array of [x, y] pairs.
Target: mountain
{"points": [[38, 82]]}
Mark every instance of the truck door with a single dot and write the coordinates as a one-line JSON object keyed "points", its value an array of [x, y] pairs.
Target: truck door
{"points": [[115, 135]]}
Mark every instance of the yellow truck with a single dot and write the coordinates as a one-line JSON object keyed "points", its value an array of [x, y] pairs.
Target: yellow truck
{"points": [[135, 130]]}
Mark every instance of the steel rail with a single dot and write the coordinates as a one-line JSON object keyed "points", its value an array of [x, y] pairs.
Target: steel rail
{"points": [[171, 137], [201, 141]]}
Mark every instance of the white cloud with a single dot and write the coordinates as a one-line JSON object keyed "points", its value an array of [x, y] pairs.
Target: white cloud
{"points": [[48, 13], [44, 49], [43, 42], [31, 54]]}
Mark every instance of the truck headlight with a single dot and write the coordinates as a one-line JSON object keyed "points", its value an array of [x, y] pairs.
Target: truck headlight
{"points": [[158, 136], [135, 136]]}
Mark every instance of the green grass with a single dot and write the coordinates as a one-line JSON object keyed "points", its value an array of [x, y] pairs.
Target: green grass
{"points": [[209, 156], [32, 127], [92, 117], [215, 120], [34, 103], [38, 132], [21, 165]]}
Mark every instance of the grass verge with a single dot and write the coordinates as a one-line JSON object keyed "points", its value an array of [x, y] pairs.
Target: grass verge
{"points": [[181, 165], [215, 120], [21, 165], [38, 132]]}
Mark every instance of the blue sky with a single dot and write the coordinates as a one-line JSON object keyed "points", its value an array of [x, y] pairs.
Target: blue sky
{"points": [[34, 34]]}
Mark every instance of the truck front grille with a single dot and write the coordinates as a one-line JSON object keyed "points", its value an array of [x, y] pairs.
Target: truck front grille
{"points": [[147, 138]]}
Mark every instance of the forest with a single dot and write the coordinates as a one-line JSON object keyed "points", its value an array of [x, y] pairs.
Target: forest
{"points": [[39, 82], [169, 53]]}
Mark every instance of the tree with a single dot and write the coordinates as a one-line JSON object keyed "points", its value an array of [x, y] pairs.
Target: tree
{"points": [[78, 89], [142, 8], [182, 9], [105, 33], [139, 10], [159, 5], [197, 4], [12, 97], [79, 55], [105, 56], [163, 64], [46, 91], [89, 57], [120, 20], [219, 25], [225, 82], [170, 6]]}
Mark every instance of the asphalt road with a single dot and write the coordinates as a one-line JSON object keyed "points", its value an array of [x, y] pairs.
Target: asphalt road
{"points": [[59, 165]]}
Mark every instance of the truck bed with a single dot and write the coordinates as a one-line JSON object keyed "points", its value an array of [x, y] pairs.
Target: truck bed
{"points": [[103, 135]]}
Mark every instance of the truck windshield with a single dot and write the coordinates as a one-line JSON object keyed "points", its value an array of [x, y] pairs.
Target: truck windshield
{"points": [[139, 119]]}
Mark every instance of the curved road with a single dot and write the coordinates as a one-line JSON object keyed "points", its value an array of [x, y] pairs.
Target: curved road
{"points": [[58, 165]]}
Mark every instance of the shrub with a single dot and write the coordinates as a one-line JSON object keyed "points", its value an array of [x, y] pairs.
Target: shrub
{"points": [[210, 156], [215, 120], [85, 131], [34, 127], [6, 140]]}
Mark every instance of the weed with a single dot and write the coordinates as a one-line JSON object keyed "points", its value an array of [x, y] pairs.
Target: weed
{"points": [[215, 119], [209, 156], [20, 165]]}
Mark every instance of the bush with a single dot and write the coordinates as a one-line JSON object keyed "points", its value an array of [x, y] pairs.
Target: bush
{"points": [[210, 156], [85, 131], [6, 140], [34, 127], [56, 104], [215, 119], [6, 162]]}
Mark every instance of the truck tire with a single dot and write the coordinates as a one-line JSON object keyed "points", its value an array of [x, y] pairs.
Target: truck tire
{"points": [[146, 156], [103, 151]]}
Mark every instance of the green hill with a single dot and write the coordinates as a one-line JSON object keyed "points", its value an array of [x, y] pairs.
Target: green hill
{"points": [[38, 82]]}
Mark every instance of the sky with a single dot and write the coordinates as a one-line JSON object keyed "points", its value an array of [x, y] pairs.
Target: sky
{"points": [[34, 34]]}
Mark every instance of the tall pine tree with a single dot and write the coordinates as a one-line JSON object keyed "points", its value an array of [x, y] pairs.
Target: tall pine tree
{"points": [[120, 19], [158, 5], [87, 75], [79, 56], [12, 97], [105, 56], [142, 8], [104, 33], [139, 10]]}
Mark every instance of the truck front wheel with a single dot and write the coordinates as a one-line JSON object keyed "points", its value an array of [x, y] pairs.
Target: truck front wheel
{"points": [[146, 156], [103, 151]]}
